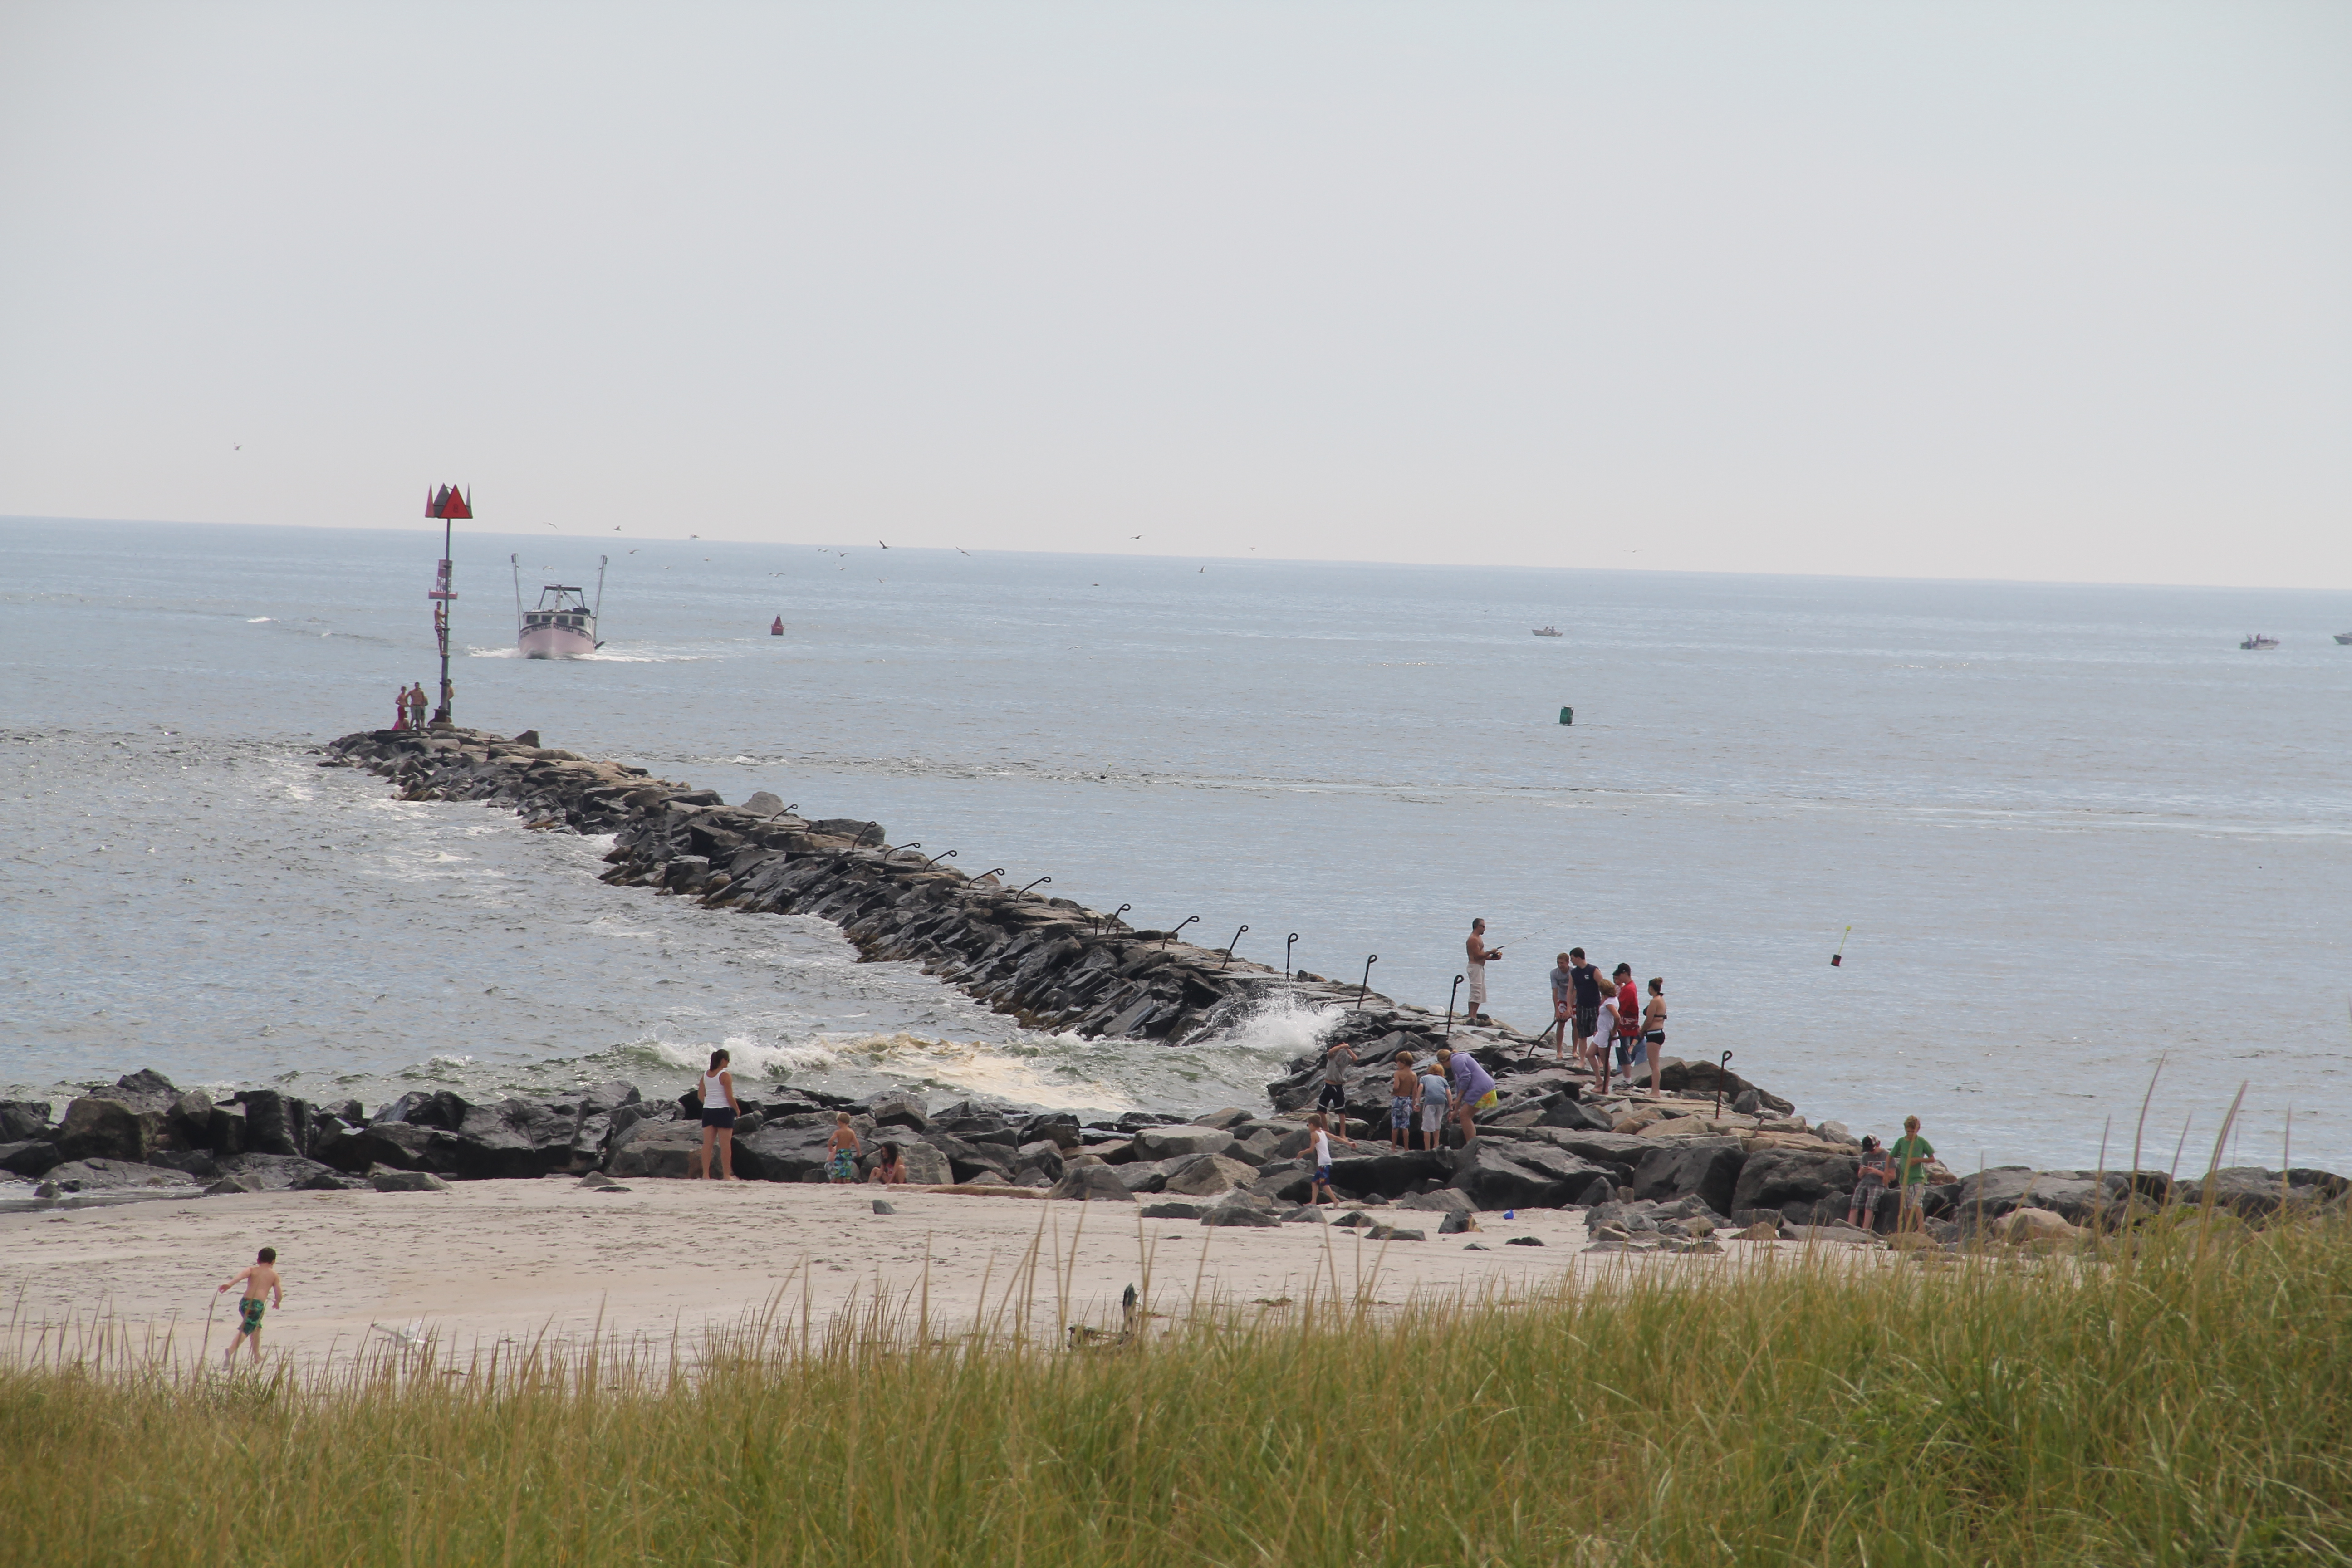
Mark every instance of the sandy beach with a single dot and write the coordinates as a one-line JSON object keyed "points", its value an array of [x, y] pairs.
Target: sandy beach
{"points": [[492, 1263]]}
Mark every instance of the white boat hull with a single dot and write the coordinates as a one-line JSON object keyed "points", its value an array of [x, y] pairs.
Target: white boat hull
{"points": [[555, 642]]}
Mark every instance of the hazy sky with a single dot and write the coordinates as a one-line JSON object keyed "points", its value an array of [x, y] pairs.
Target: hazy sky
{"points": [[2047, 290]]}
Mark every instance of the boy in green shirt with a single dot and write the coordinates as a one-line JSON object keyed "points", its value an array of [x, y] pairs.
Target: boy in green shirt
{"points": [[1911, 1154]]}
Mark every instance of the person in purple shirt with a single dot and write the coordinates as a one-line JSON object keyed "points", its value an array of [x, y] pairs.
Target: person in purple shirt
{"points": [[1474, 1089]]}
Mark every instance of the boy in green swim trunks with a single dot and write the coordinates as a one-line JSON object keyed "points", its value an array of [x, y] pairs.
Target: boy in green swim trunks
{"points": [[260, 1281], [842, 1150]]}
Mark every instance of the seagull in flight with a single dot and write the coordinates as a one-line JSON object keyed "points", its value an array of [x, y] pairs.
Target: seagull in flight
{"points": [[883, 543], [959, 550]]}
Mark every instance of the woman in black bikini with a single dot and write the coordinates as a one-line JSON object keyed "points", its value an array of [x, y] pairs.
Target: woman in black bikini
{"points": [[1653, 1028]]}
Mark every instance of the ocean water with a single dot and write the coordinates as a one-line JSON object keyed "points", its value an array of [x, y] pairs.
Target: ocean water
{"points": [[2084, 844]]}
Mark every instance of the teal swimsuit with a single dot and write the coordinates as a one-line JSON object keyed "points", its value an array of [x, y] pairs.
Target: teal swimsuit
{"points": [[249, 1315]]}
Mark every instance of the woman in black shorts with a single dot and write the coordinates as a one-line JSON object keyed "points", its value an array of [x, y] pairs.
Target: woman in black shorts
{"points": [[1653, 1028], [719, 1108]]}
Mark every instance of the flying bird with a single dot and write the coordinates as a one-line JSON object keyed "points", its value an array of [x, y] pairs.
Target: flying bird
{"points": [[962, 551], [883, 543], [1135, 536]]}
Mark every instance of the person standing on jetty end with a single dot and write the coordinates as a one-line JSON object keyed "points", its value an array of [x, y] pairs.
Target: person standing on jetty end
{"points": [[1911, 1154], [1403, 1089], [1434, 1094], [719, 1111], [1320, 1188], [400, 708], [1586, 980], [1563, 1005], [1474, 1089], [842, 1150], [260, 1281], [416, 706], [1654, 1027], [1480, 956], [1333, 1096], [1628, 1038]]}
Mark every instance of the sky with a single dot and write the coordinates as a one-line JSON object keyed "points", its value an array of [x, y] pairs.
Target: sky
{"points": [[2053, 291]]}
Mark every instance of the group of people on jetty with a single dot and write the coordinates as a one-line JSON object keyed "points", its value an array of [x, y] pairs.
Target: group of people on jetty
{"points": [[1613, 1021]]}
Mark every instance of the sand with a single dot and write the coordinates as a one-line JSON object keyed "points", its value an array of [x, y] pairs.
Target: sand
{"points": [[493, 1263]]}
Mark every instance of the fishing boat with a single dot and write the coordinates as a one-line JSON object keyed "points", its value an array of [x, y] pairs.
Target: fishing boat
{"points": [[564, 624], [1546, 632], [2345, 637], [2260, 641]]}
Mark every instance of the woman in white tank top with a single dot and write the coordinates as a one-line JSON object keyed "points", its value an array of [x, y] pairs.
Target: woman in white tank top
{"points": [[719, 1108]]}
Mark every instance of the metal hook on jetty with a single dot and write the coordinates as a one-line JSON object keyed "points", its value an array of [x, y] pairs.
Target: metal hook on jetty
{"points": [[1172, 935], [1366, 982], [1038, 883], [1229, 948], [1721, 1068], [1288, 973], [1111, 919], [1450, 996]]}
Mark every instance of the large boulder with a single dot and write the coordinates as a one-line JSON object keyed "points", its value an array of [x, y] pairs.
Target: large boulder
{"points": [[1987, 1195], [1173, 1142], [105, 1128], [1389, 1173], [1151, 1175], [898, 1108], [101, 1175], [1208, 1177], [662, 1149], [1783, 1178], [967, 1159], [1091, 1183], [1499, 1175], [284, 1173], [275, 1123], [146, 1089], [787, 1148], [358, 1150], [29, 1156], [23, 1119], [2250, 1193], [1709, 1168]]}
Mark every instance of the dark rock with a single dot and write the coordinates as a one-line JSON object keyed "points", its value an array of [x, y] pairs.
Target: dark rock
{"points": [[1174, 1210], [1236, 1212], [1986, 1195], [1394, 1232], [287, 1172], [2250, 1193], [1776, 1178], [146, 1089], [23, 1119], [1205, 1175], [1446, 1200], [103, 1175], [1567, 1111], [386, 1181], [1709, 1168], [1499, 1175], [1748, 1103], [108, 1129], [898, 1108], [190, 1119], [882, 1206], [197, 1163], [275, 1123], [1524, 1241], [1091, 1183], [224, 1130], [1059, 1128], [1390, 1173], [30, 1156], [1173, 1142], [426, 1108], [1456, 1224]]}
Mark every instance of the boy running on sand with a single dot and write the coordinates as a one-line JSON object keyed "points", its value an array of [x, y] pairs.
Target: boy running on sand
{"points": [[842, 1150], [1321, 1188], [259, 1280]]}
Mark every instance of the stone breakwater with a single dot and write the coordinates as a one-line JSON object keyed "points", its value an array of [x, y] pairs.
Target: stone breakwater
{"points": [[1711, 1154]]}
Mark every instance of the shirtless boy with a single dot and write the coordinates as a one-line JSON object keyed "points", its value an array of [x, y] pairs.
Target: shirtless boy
{"points": [[842, 1150], [259, 1281]]}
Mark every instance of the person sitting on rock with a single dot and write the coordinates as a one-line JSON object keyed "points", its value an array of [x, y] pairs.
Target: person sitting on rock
{"points": [[891, 1169], [842, 1150]]}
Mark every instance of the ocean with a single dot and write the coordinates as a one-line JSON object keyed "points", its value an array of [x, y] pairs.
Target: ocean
{"points": [[2084, 844]]}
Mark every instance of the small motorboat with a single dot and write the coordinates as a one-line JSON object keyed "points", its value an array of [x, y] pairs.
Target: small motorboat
{"points": [[2260, 641], [564, 624], [1546, 632], [2345, 637], [776, 626]]}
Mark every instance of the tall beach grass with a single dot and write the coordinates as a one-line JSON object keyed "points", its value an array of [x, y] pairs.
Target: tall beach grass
{"points": [[2181, 1400]]}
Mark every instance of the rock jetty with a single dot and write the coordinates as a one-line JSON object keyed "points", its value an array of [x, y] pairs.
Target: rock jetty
{"points": [[1713, 1155]]}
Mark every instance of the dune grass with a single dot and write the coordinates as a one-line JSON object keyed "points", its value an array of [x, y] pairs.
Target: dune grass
{"points": [[2182, 1401]]}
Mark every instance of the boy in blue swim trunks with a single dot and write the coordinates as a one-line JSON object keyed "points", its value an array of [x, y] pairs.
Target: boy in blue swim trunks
{"points": [[259, 1281], [842, 1150]]}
